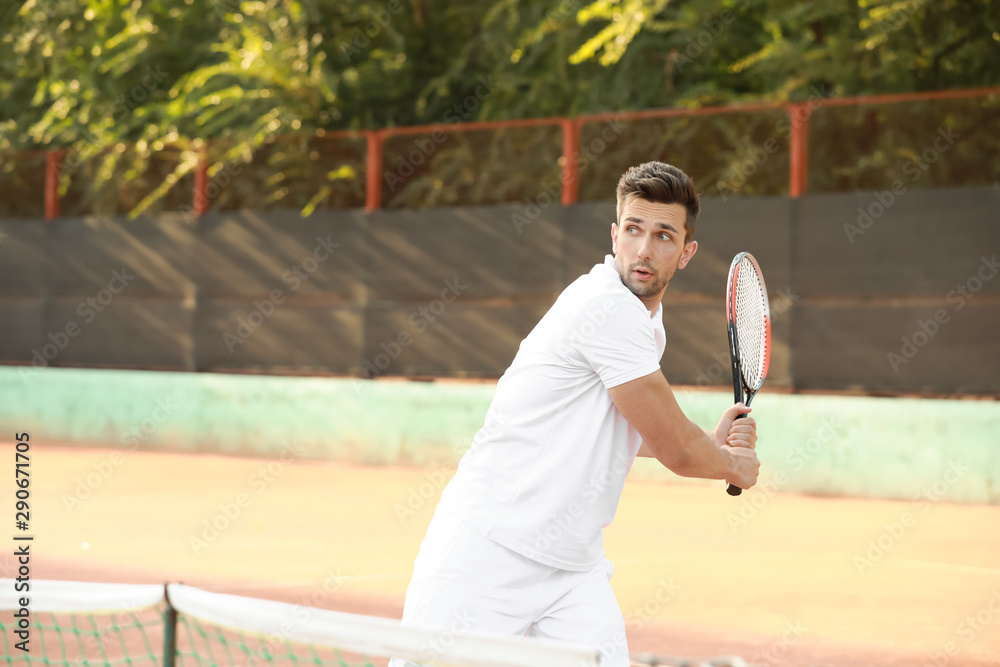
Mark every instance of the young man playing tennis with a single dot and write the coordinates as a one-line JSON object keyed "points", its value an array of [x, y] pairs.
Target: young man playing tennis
{"points": [[516, 543]]}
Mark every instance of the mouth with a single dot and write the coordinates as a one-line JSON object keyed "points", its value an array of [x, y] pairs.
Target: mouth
{"points": [[642, 274]]}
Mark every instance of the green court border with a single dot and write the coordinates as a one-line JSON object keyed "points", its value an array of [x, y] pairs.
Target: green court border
{"points": [[826, 445]]}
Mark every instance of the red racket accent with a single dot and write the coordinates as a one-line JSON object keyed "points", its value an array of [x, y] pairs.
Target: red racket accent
{"points": [[734, 276], [767, 346]]}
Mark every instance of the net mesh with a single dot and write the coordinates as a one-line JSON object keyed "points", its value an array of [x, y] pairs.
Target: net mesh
{"points": [[472, 167], [935, 143], [22, 180], [206, 644], [117, 179], [71, 624], [742, 152], [289, 172], [922, 144], [752, 323], [107, 639]]}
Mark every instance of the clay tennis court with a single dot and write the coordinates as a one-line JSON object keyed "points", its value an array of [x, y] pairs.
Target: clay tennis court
{"points": [[785, 587]]}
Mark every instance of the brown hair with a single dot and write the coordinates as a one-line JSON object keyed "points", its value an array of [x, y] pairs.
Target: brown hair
{"points": [[660, 183]]}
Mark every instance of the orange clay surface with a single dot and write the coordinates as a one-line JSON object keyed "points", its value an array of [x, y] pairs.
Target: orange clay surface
{"points": [[690, 581]]}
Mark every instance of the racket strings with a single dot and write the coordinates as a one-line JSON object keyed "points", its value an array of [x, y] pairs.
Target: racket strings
{"points": [[751, 323]]}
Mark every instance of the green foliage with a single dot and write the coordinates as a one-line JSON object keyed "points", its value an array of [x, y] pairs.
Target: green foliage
{"points": [[636, 54], [117, 82]]}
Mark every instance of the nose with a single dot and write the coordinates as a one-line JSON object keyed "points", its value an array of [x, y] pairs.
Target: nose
{"points": [[646, 248]]}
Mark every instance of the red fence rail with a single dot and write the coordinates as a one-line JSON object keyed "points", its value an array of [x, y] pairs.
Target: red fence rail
{"points": [[798, 120]]}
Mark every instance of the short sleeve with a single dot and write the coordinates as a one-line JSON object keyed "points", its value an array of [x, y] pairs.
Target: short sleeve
{"points": [[616, 339]]}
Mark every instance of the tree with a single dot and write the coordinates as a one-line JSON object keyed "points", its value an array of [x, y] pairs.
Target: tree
{"points": [[134, 90]]}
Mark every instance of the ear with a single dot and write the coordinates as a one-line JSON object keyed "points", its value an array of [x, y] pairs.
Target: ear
{"points": [[689, 250], [614, 238]]}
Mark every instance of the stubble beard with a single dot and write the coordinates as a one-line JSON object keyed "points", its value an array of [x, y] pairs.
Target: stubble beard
{"points": [[642, 289]]}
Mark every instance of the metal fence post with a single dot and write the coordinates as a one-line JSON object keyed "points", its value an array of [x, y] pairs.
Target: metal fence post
{"points": [[373, 183], [798, 146], [570, 169], [201, 183], [53, 161]]}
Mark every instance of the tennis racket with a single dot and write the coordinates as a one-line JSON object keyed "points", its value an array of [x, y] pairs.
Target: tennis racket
{"points": [[749, 320]]}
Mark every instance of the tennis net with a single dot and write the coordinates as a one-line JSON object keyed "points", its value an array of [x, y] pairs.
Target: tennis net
{"points": [[76, 624]]}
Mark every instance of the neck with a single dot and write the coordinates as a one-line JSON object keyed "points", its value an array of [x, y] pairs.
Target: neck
{"points": [[653, 302]]}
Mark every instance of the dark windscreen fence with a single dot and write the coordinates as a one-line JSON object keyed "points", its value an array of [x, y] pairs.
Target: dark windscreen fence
{"points": [[866, 294], [898, 292]]}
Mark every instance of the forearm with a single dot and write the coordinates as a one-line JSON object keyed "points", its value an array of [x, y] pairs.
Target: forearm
{"points": [[668, 435], [695, 454], [645, 451]]}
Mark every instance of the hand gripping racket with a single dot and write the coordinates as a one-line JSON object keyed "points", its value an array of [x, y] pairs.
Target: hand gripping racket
{"points": [[749, 331]]}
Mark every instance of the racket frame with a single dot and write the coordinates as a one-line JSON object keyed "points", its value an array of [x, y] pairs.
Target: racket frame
{"points": [[742, 392]]}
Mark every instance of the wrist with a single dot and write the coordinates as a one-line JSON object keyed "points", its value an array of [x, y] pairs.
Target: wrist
{"points": [[730, 461]]}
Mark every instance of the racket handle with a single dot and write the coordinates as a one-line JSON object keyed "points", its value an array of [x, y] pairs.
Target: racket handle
{"points": [[732, 489]]}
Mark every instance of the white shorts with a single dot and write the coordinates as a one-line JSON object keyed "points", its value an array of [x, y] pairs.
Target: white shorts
{"points": [[465, 581]]}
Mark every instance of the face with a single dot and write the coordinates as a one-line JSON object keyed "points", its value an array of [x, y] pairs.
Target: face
{"points": [[649, 247]]}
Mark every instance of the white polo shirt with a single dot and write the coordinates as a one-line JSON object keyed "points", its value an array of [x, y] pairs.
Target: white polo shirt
{"points": [[544, 475]]}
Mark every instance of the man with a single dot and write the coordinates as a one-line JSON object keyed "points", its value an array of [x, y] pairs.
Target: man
{"points": [[516, 543]]}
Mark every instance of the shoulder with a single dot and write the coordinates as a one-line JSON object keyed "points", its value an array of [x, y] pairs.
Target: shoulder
{"points": [[606, 316], [602, 289], [583, 299]]}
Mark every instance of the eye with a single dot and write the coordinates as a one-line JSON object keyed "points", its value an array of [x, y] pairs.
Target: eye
{"points": [[665, 237]]}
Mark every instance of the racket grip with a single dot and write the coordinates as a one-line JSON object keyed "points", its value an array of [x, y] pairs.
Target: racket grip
{"points": [[732, 489]]}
